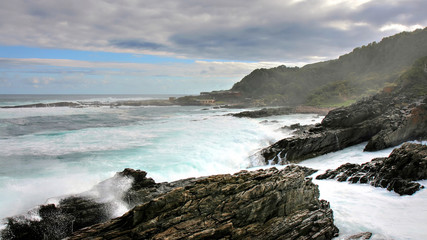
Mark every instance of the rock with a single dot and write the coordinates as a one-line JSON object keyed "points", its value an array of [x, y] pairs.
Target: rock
{"points": [[385, 120], [412, 126], [360, 236], [265, 112], [263, 204], [83, 210], [53, 225], [377, 120], [139, 178], [57, 222], [397, 172]]}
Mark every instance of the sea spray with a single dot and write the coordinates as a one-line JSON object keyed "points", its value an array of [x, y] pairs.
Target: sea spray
{"points": [[52, 152]]}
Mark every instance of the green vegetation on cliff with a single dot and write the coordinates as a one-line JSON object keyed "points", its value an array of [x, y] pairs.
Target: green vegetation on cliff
{"points": [[363, 72], [414, 80]]}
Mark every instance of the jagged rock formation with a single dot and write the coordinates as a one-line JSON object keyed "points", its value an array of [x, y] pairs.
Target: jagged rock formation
{"points": [[396, 172], [385, 120], [83, 210], [264, 204], [244, 204]]}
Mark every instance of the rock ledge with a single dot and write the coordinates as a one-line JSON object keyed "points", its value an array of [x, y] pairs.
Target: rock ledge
{"points": [[263, 204]]}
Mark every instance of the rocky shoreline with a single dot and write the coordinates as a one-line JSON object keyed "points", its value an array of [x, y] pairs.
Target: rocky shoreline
{"points": [[384, 120], [397, 172], [262, 204], [267, 112]]}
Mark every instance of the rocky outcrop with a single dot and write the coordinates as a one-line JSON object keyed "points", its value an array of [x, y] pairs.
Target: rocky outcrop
{"points": [[263, 204], [265, 112], [240, 205], [72, 213], [360, 236], [384, 120], [396, 172]]}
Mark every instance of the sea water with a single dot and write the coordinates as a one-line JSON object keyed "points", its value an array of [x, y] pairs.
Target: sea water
{"points": [[46, 153]]}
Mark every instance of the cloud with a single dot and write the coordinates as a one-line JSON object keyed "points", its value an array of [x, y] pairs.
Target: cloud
{"points": [[399, 27], [240, 30]]}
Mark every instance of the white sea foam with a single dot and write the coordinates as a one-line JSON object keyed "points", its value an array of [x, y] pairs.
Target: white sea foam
{"points": [[361, 207], [171, 143]]}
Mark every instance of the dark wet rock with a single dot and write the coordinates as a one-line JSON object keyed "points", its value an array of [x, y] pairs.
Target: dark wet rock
{"points": [[53, 225], [79, 211], [397, 172], [360, 236], [298, 129], [265, 112], [83, 210], [57, 222], [139, 178], [383, 120], [263, 204]]}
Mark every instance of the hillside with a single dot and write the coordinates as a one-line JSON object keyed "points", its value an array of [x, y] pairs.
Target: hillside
{"points": [[386, 119], [363, 72]]}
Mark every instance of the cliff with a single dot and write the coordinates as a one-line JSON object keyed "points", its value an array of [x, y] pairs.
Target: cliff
{"points": [[384, 120], [362, 72]]}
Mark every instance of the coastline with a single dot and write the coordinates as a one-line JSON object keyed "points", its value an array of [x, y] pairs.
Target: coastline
{"points": [[385, 120]]}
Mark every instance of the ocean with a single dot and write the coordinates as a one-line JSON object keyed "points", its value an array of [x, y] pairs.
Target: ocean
{"points": [[46, 153]]}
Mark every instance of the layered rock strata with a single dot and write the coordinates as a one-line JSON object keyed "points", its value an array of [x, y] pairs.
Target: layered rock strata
{"points": [[396, 172], [243, 205], [264, 204], [384, 120]]}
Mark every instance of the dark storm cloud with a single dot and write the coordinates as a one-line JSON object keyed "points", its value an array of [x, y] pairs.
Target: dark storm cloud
{"points": [[237, 30]]}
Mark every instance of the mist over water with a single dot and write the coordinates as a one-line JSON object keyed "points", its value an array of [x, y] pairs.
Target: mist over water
{"points": [[46, 153]]}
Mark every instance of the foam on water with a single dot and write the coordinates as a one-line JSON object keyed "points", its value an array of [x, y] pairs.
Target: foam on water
{"points": [[50, 152], [14, 100], [46, 153], [361, 207]]}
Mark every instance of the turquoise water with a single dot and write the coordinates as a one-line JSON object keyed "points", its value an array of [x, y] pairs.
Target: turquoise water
{"points": [[46, 153], [50, 152]]}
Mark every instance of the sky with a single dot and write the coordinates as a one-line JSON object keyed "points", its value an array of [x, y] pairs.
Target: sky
{"points": [[180, 46]]}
